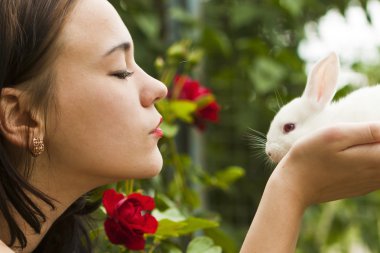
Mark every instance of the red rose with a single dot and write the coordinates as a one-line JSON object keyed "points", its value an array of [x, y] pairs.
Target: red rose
{"points": [[209, 112], [190, 89], [128, 220]]}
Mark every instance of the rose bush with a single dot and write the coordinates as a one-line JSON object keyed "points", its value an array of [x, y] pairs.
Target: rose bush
{"points": [[128, 219]]}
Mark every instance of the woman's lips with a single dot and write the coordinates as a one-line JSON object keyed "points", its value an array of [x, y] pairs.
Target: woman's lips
{"points": [[158, 131]]}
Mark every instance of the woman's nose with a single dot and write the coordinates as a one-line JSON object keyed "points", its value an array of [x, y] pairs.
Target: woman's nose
{"points": [[153, 91], [161, 90]]}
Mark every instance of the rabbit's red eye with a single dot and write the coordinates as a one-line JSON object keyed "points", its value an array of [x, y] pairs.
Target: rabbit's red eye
{"points": [[288, 127]]}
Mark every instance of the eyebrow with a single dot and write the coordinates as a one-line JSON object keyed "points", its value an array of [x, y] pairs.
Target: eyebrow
{"points": [[125, 46]]}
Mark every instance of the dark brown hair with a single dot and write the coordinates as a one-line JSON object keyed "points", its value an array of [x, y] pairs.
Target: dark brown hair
{"points": [[28, 46]]}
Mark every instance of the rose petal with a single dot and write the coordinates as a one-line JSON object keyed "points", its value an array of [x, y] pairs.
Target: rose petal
{"points": [[118, 235], [202, 91], [146, 202], [189, 87], [151, 224], [190, 90], [110, 200], [148, 225], [132, 221], [127, 210], [135, 242], [115, 233], [210, 112]]}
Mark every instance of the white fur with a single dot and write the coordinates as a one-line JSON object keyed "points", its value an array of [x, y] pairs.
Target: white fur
{"points": [[314, 108]]}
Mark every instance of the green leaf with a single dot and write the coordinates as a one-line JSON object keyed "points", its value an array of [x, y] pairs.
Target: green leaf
{"points": [[183, 109], [229, 175], [172, 214], [221, 238], [223, 179], [205, 100], [174, 250], [193, 224], [203, 244], [169, 248], [294, 7], [163, 106], [169, 130], [168, 228]]}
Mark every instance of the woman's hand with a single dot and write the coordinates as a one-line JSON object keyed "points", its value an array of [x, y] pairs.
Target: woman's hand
{"points": [[333, 163], [4, 248]]}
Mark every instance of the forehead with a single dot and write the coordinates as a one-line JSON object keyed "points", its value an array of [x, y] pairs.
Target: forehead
{"points": [[93, 27]]}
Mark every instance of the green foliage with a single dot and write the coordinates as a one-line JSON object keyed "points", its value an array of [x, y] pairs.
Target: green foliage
{"points": [[203, 244], [224, 178], [169, 228], [181, 109], [223, 239]]}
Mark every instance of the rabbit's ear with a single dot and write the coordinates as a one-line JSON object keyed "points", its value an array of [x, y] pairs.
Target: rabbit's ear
{"points": [[321, 84]]}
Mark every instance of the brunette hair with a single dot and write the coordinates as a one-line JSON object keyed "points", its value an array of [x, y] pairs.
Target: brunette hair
{"points": [[28, 45]]}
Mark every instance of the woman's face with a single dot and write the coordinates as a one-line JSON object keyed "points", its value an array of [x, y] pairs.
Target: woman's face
{"points": [[106, 118]]}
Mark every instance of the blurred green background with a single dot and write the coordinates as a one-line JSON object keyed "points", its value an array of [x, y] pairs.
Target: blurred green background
{"points": [[252, 63]]}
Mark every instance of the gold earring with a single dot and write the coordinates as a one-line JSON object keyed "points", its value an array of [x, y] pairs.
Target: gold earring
{"points": [[38, 147]]}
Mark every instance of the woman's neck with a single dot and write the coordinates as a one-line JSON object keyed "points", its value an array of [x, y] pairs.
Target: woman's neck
{"points": [[60, 186], [33, 238]]}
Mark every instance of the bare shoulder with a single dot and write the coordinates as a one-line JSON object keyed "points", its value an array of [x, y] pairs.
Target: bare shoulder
{"points": [[4, 248]]}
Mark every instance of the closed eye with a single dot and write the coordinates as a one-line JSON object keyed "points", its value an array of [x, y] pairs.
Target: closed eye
{"points": [[122, 74]]}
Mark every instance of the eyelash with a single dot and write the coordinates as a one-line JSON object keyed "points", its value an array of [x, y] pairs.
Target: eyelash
{"points": [[123, 74]]}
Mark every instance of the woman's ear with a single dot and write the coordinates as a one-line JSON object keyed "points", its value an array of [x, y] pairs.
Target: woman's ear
{"points": [[17, 122]]}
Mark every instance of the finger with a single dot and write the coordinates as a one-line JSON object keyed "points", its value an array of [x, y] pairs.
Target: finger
{"points": [[347, 135], [366, 154]]}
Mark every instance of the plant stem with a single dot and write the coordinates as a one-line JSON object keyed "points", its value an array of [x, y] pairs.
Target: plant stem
{"points": [[129, 186], [179, 175], [153, 247]]}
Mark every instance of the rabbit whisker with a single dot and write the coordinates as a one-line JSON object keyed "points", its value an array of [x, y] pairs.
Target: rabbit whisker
{"points": [[257, 132], [278, 97]]}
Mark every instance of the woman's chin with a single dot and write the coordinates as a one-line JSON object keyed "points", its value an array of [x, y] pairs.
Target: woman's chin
{"points": [[154, 168], [144, 168], [150, 167]]}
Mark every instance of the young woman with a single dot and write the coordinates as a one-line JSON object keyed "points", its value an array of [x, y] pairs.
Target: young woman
{"points": [[69, 84], [77, 112]]}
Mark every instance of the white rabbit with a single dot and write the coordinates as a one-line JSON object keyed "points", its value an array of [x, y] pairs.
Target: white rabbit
{"points": [[314, 108]]}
